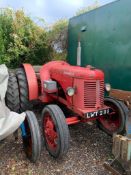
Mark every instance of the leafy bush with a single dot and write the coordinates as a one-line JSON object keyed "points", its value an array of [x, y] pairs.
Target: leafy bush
{"points": [[21, 40], [88, 8]]}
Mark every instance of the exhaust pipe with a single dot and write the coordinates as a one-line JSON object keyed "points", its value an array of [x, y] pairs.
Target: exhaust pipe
{"points": [[83, 29], [79, 54]]}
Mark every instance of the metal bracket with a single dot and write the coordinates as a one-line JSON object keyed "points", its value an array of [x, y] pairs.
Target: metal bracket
{"points": [[109, 167], [128, 125], [23, 130]]}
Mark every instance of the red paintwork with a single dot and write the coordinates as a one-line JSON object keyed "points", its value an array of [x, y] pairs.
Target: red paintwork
{"points": [[112, 121], [89, 84], [72, 120], [32, 81], [89, 95], [45, 75], [50, 131]]}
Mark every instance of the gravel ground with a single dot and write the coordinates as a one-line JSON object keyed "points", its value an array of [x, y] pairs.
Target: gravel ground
{"points": [[89, 148]]}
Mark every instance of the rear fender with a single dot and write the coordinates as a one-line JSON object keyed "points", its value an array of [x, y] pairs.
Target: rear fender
{"points": [[32, 81]]}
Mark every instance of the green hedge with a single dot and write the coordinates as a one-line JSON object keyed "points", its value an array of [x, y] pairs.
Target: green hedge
{"points": [[21, 40]]}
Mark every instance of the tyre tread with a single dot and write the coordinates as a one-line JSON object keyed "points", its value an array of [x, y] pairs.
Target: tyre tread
{"points": [[35, 134], [59, 117], [23, 89], [12, 95]]}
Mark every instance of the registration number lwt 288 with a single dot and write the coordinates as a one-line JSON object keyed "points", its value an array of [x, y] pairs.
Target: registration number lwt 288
{"points": [[97, 113]]}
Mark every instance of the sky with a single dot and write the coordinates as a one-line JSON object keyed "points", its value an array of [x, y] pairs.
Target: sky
{"points": [[49, 10]]}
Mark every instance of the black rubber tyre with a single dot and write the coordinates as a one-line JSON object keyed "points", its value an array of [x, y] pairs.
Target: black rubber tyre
{"points": [[53, 122], [32, 139], [122, 112], [12, 95], [23, 90]]}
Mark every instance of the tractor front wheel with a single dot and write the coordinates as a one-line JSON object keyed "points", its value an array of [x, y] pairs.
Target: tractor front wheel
{"points": [[55, 131], [31, 137], [114, 122]]}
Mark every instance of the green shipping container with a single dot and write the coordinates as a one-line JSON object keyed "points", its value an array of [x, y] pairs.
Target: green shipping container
{"points": [[106, 43]]}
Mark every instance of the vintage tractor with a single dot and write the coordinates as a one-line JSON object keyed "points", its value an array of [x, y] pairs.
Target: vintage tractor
{"points": [[71, 94]]}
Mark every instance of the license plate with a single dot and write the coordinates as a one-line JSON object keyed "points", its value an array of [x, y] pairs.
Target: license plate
{"points": [[97, 113]]}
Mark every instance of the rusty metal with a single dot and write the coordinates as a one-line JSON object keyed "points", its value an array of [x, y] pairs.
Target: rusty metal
{"points": [[128, 125], [109, 167], [122, 95]]}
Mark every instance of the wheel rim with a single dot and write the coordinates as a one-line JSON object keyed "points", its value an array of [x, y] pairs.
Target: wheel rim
{"points": [[27, 141], [111, 122], [50, 132]]}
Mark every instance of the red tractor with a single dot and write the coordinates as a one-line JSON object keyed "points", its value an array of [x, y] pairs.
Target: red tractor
{"points": [[71, 94]]}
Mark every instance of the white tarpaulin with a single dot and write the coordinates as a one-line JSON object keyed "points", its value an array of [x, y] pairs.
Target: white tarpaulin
{"points": [[9, 121]]}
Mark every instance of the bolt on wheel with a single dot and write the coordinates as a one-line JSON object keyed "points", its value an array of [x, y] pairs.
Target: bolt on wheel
{"points": [[115, 121], [50, 131], [55, 131]]}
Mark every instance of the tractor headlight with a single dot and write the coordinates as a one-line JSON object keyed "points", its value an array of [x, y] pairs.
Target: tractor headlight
{"points": [[107, 87], [70, 91]]}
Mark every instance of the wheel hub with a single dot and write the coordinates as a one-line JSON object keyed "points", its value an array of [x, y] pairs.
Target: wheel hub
{"points": [[50, 132], [112, 121]]}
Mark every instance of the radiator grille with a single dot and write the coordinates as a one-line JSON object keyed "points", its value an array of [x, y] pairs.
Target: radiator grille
{"points": [[93, 94], [101, 93]]}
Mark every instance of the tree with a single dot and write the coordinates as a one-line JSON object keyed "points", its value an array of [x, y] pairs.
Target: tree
{"points": [[57, 37], [21, 40], [88, 8]]}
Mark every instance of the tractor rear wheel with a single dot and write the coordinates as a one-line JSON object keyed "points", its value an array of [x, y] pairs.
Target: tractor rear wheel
{"points": [[12, 95], [116, 121], [23, 90], [12, 99], [31, 137], [55, 131]]}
